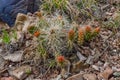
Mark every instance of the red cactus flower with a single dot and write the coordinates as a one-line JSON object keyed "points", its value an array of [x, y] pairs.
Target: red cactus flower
{"points": [[97, 30], [71, 34], [60, 59], [37, 33], [88, 28]]}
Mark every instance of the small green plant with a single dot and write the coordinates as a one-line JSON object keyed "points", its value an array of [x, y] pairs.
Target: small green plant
{"points": [[52, 63], [88, 8], [43, 23], [52, 5], [86, 3], [32, 30], [14, 34], [6, 37], [42, 51], [114, 22]]}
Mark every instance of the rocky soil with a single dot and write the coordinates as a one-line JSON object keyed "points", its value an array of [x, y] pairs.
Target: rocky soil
{"points": [[97, 59]]}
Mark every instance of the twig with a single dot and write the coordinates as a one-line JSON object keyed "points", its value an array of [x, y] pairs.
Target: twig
{"points": [[98, 55], [3, 70]]}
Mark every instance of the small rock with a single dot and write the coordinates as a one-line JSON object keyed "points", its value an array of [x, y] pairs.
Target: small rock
{"points": [[116, 74], [15, 57], [31, 77], [89, 77], [89, 60], [114, 50], [116, 69], [99, 63], [109, 14], [81, 57], [57, 78], [95, 67], [12, 47], [106, 65], [76, 77], [106, 73], [27, 43], [20, 72]]}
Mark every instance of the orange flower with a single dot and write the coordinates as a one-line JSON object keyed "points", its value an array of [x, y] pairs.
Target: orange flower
{"points": [[71, 34], [97, 30], [60, 59], [88, 28], [80, 36], [37, 33]]}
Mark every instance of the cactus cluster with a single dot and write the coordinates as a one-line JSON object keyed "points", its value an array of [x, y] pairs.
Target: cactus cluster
{"points": [[84, 34]]}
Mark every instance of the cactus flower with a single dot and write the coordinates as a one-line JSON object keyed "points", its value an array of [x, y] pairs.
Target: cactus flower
{"points": [[60, 59], [37, 33], [97, 30], [88, 29]]}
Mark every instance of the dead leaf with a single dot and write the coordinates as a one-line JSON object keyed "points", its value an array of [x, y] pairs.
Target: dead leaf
{"points": [[90, 77], [81, 57], [15, 57], [78, 66], [95, 67], [106, 73], [76, 77], [20, 72]]}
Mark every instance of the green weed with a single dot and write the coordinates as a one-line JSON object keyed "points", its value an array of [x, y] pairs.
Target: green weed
{"points": [[112, 23], [53, 5], [6, 37]]}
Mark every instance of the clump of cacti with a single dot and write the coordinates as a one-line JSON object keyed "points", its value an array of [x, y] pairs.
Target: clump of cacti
{"points": [[56, 35], [84, 34]]}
